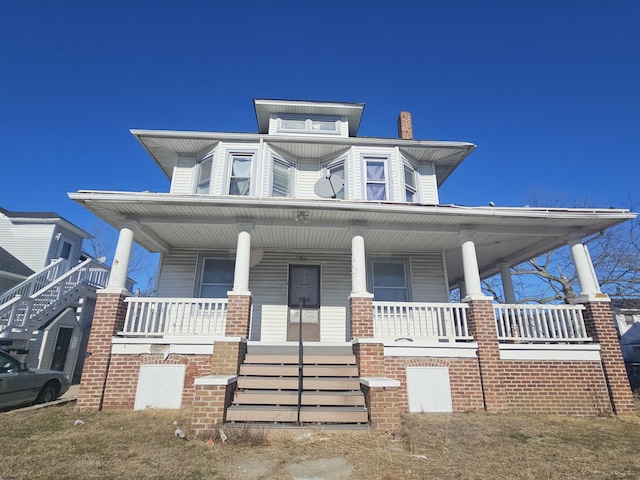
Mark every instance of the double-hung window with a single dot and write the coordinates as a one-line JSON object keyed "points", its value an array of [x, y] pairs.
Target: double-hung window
{"points": [[240, 175], [217, 277], [376, 178], [410, 184], [204, 176], [389, 281], [281, 182]]}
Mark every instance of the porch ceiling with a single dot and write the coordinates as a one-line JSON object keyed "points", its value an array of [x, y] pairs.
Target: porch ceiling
{"points": [[163, 222]]}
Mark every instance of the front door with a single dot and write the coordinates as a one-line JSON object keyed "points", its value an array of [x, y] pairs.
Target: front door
{"points": [[304, 303]]}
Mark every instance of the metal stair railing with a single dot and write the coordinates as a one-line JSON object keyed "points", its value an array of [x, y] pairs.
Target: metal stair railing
{"points": [[36, 281], [21, 312]]}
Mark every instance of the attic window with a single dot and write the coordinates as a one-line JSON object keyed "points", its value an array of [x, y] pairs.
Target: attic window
{"points": [[294, 124]]}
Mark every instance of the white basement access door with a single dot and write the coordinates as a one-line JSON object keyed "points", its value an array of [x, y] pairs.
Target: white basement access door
{"points": [[428, 389], [160, 386]]}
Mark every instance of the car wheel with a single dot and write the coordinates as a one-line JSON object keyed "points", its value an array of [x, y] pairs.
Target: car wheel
{"points": [[48, 393]]}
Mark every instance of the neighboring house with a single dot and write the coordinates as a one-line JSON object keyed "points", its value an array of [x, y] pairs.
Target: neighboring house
{"points": [[47, 290], [626, 313], [306, 229]]}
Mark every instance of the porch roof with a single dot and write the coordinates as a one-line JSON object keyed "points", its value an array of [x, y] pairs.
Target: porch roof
{"points": [[164, 222]]}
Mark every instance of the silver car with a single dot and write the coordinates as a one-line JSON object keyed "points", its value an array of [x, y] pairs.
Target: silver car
{"points": [[21, 386]]}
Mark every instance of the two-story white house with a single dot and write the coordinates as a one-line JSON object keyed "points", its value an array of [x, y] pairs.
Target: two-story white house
{"points": [[306, 229]]}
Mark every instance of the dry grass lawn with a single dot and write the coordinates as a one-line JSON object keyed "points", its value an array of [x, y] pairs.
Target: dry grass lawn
{"points": [[138, 445]]}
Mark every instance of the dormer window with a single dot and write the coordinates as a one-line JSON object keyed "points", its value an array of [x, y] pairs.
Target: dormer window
{"points": [[281, 183], [204, 176], [300, 124], [411, 192], [376, 178], [240, 177]]}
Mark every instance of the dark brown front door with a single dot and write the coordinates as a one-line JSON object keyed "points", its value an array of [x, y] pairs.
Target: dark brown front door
{"points": [[304, 291]]}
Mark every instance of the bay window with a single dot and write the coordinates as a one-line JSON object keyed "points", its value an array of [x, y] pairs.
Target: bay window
{"points": [[410, 184]]}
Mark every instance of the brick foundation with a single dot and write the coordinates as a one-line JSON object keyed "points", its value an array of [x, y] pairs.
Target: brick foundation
{"points": [[108, 319], [466, 392], [124, 371], [599, 324]]}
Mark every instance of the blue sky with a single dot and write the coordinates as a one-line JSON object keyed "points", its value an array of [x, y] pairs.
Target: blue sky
{"points": [[548, 90]]}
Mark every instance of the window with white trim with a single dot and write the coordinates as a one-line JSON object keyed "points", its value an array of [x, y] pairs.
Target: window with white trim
{"points": [[295, 124], [281, 179], [217, 277], [410, 184], [338, 169], [389, 280], [240, 174], [376, 174], [204, 176]]}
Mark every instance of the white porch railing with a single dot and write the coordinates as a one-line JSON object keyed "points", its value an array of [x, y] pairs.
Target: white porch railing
{"points": [[37, 281], [175, 316], [23, 312], [541, 323], [428, 321]]}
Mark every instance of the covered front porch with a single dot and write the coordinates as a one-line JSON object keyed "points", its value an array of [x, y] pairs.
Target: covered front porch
{"points": [[376, 277]]}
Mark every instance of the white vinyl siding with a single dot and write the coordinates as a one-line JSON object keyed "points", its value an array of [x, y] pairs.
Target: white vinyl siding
{"points": [[427, 278], [182, 178], [428, 184], [32, 244], [176, 277], [268, 285], [307, 175]]}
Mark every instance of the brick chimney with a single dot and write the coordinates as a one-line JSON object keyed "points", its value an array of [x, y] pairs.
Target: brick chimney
{"points": [[405, 129]]}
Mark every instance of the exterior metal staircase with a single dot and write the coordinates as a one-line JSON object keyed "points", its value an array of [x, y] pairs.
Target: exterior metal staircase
{"points": [[31, 304], [267, 389]]}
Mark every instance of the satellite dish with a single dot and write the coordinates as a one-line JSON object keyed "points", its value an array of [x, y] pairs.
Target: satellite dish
{"points": [[329, 185]]}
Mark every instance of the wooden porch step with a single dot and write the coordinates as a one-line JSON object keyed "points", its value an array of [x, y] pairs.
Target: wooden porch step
{"points": [[290, 397], [250, 413], [285, 359], [291, 348], [291, 383], [292, 370]]}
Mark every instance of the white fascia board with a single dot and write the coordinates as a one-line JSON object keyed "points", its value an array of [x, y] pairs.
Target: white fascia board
{"points": [[273, 202], [256, 137]]}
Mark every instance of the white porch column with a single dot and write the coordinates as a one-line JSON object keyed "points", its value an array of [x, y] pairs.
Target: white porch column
{"points": [[243, 259], [584, 267], [507, 283], [470, 266], [358, 262], [120, 266]]}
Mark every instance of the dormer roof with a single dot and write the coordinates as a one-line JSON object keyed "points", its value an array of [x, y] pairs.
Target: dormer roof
{"points": [[266, 108]]}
